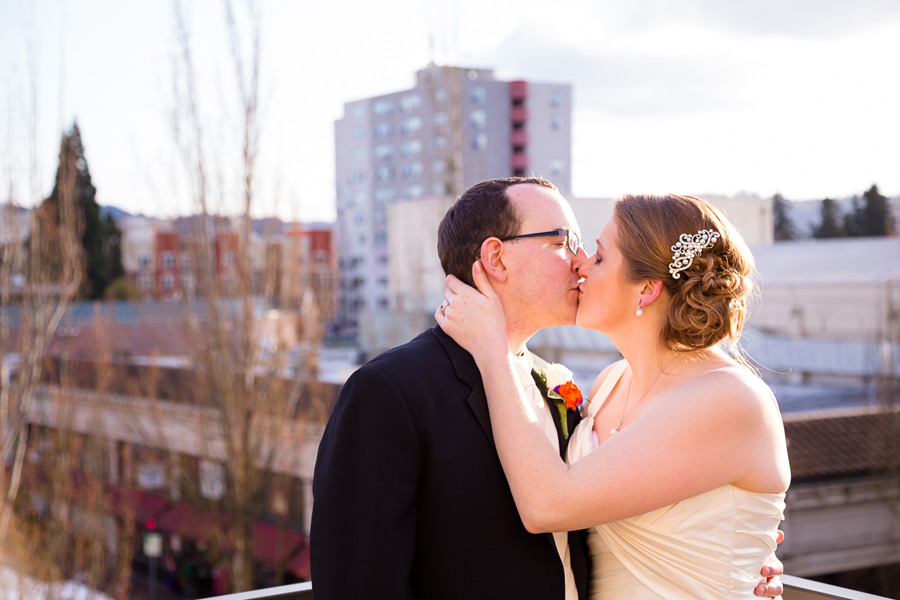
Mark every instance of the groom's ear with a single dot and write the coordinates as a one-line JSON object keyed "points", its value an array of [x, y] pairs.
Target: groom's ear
{"points": [[492, 258]]}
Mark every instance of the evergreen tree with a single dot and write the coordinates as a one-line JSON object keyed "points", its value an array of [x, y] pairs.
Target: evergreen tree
{"points": [[100, 240], [784, 225], [876, 217], [853, 220], [832, 221]]}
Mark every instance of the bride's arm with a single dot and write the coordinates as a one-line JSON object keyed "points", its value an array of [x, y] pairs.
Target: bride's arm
{"points": [[714, 433]]}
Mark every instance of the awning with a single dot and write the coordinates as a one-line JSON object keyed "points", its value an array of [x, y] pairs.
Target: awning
{"points": [[273, 545], [145, 505], [299, 565], [191, 523]]}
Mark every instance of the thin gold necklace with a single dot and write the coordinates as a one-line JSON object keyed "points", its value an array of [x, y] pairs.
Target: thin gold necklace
{"points": [[621, 420]]}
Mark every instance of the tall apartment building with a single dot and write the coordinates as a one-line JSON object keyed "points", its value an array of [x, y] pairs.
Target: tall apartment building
{"points": [[455, 127]]}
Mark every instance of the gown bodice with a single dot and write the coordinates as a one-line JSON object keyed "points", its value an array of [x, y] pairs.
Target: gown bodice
{"points": [[712, 545]]}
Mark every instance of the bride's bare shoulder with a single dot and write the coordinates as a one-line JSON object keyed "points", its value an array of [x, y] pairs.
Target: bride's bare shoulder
{"points": [[736, 382]]}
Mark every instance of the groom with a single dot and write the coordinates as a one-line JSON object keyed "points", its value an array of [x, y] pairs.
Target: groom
{"points": [[410, 498]]}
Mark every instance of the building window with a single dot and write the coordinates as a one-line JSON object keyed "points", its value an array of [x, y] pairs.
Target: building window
{"points": [[380, 216], [556, 99], [188, 283], [441, 119], [358, 154], [168, 260], [385, 195], [556, 122], [168, 282], [479, 141], [362, 239], [145, 282], [478, 118], [151, 475], [438, 165], [440, 95], [144, 261], [212, 479], [412, 169], [410, 125], [410, 102], [357, 110], [410, 147], [357, 197], [383, 173], [412, 191], [478, 95], [440, 189], [380, 238], [383, 129], [384, 151], [359, 132], [382, 107], [557, 166], [440, 142], [359, 219]]}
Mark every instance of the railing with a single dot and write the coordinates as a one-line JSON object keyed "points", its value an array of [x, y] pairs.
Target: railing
{"points": [[795, 588], [295, 591]]}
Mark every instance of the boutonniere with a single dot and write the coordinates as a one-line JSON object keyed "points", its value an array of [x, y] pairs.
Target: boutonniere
{"points": [[561, 389]]}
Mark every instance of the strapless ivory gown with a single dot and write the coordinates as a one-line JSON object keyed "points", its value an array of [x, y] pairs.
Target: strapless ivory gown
{"points": [[709, 546]]}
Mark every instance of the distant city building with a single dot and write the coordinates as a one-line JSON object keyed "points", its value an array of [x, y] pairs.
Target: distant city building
{"points": [[455, 127], [293, 264]]}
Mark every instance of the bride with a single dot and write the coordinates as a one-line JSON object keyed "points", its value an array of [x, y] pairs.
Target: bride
{"points": [[679, 466]]}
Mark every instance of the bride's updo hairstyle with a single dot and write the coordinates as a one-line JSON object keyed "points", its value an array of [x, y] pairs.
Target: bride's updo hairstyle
{"points": [[708, 298]]}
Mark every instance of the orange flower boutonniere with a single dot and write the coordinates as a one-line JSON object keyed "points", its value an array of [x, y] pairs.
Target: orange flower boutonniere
{"points": [[561, 389]]}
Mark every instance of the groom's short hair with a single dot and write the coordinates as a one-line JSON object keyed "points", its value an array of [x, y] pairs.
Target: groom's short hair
{"points": [[484, 210]]}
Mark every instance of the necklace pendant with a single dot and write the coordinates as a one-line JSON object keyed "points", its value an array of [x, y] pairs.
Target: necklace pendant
{"points": [[616, 429]]}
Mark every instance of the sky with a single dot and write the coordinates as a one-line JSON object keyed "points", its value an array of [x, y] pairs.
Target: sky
{"points": [[798, 97]]}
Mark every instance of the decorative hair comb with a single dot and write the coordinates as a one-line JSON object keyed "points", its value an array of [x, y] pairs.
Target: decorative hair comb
{"points": [[688, 247]]}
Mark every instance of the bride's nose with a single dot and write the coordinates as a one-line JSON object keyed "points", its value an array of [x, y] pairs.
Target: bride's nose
{"points": [[579, 259]]}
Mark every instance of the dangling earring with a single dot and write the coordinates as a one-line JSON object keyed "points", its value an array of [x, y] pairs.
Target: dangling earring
{"points": [[640, 309]]}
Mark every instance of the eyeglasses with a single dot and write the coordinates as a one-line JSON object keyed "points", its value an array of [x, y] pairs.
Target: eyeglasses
{"points": [[573, 243]]}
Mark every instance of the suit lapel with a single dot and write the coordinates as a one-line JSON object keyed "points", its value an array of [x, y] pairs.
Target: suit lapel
{"points": [[467, 372]]}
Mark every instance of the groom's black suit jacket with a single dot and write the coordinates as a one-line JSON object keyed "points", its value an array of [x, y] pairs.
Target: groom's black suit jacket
{"points": [[410, 497]]}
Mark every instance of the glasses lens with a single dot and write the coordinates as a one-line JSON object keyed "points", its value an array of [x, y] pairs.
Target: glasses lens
{"points": [[573, 242]]}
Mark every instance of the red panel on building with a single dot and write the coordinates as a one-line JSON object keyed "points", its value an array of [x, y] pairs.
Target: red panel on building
{"points": [[518, 114], [518, 90], [519, 137], [520, 161]]}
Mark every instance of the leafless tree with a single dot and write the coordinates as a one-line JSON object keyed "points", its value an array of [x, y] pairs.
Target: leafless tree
{"points": [[239, 355]]}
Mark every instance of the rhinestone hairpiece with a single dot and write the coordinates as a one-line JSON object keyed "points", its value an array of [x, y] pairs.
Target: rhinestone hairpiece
{"points": [[688, 247]]}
